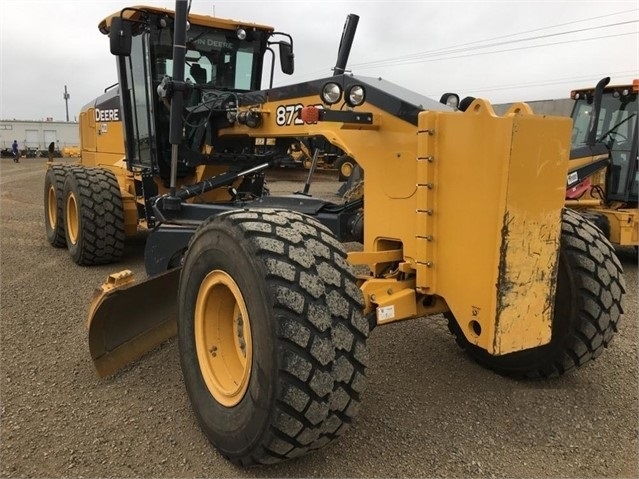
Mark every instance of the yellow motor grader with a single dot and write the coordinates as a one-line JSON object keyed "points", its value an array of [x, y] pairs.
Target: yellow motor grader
{"points": [[272, 320]]}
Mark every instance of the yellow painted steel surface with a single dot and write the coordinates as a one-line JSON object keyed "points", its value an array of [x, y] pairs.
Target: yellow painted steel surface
{"points": [[624, 225], [102, 143], [122, 326], [223, 340], [494, 258], [135, 12]]}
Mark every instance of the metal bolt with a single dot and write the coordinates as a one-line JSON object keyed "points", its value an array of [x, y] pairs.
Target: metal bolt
{"points": [[429, 186], [429, 264], [431, 131], [430, 159], [389, 291], [429, 212], [373, 297], [429, 238]]}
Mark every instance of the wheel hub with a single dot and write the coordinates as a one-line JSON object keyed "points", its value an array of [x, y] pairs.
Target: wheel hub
{"points": [[223, 338], [52, 207], [72, 218], [346, 169]]}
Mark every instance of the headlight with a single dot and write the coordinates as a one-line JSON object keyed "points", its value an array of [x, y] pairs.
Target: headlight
{"points": [[355, 95], [331, 93], [250, 118], [241, 33]]}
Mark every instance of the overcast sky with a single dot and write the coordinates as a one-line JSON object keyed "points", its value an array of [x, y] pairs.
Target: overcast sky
{"points": [[537, 49]]}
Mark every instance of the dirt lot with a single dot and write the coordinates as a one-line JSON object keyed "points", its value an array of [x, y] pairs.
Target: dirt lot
{"points": [[428, 410]]}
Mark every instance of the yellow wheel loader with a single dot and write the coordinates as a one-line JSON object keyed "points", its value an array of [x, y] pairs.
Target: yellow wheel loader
{"points": [[603, 179], [272, 320]]}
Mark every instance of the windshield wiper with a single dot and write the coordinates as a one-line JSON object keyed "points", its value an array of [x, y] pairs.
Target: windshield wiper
{"points": [[615, 127]]}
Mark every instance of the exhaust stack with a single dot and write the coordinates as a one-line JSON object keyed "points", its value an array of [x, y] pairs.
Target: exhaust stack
{"points": [[346, 43]]}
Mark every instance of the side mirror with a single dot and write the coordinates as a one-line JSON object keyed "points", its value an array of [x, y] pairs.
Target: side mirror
{"points": [[120, 37], [287, 58]]}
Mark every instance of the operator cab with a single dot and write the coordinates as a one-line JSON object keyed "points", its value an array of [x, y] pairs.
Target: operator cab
{"points": [[221, 56], [617, 130]]}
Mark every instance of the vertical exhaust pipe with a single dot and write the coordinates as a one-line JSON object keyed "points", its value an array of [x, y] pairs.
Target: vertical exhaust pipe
{"points": [[596, 109], [346, 43]]}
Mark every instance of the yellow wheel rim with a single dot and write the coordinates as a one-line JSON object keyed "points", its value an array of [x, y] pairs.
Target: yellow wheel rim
{"points": [[73, 220], [223, 338], [52, 207], [346, 169]]}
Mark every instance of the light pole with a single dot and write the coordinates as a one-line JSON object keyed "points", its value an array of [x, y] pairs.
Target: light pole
{"points": [[66, 97]]}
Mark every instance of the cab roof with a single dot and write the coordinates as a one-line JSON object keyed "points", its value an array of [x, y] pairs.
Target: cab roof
{"points": [[634, 87], [137, 12]]}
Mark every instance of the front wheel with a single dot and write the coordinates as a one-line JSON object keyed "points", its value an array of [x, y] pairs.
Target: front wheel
{"points": [[590, 286], [271, 334]]}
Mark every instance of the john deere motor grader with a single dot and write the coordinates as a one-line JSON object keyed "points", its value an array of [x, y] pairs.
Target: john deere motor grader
{"points": [[603, 183], [272, 321]]}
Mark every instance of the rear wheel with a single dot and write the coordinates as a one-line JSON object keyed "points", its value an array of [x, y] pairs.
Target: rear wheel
{"points": [[590, 286], [94, 216], [271, 334], [54, 205]]}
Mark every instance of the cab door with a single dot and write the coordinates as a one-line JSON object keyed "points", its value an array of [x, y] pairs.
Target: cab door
{"points": [[137, 104]]}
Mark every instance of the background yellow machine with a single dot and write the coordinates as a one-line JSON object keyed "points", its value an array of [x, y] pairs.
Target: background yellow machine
{"points": [[272, 320], [603, 183]]}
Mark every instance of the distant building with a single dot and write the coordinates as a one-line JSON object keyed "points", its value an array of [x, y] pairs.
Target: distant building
{"points": [[560, 107], [37, 135]]}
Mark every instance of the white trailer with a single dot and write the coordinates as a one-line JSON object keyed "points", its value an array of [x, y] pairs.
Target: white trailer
{"points": [[35, 136]]}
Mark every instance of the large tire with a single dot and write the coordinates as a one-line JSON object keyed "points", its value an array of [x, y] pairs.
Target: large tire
{"points": [[271, 334], [590, 286], [94, 216], [54, 205]]}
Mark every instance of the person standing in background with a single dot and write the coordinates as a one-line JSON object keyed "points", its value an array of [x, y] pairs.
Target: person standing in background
{"points": [[16, 152], [51, 150]]}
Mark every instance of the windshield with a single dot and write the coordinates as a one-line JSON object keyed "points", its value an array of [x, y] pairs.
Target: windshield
{"points": [[617, 121], [215, 57]]}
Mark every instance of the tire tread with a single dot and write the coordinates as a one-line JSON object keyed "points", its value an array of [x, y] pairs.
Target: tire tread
{"points": [[101, 240]]}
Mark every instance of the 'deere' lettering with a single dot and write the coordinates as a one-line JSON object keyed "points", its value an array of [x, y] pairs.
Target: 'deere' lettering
{"points": [[107, 115]]}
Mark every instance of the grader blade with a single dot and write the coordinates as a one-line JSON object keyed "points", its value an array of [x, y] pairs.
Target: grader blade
{"points": [[127, 319]]}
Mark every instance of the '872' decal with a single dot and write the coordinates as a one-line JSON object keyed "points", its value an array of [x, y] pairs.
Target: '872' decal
{"points": [[287, 115]]}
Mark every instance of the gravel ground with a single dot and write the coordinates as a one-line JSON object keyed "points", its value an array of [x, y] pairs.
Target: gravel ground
{"points": [[428, 411]]}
